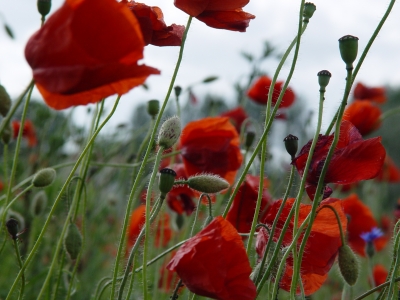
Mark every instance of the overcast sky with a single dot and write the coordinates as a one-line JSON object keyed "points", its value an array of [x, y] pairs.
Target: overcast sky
{"points": [[217, 52]]}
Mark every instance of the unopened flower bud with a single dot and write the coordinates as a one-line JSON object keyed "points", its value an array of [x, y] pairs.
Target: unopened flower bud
{"points": [[291, 145], [12, 227], [6, 136], [72, 241], [348, 46], [44, 178], [38, 204], [5, 101], [250, 136], [348, 264], [167, 180], [169, 132], [209, 184], [178, 91], [44, 7], [323, 79], [179, 221], [309, 9], [153, 107]]}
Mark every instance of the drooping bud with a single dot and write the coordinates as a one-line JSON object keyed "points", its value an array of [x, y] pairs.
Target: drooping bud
{"points": [[309, 9], [169, 132], [38, 204], [348, 264], [44, 178], [73, 241], [178, 91], [209, 184], [12, 227], [250, 136], [348, 46], [6, 136], [5, 101], [291, 144], [44, 7], [167, 180], [153, 107], [323, 79], [179, 221]]}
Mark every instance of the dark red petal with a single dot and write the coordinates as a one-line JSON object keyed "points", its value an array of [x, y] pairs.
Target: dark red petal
{"points": [[237, 20]]}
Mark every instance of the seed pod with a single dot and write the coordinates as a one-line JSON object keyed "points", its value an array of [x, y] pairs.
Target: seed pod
{"points": [[44, 178], [167, 180], [348, 264], [209, 184], [73, 241], [309, 9], [169, 132], [12, 227], [44, 7], [323, 79], [348, 46], [291, 144], [153, 107], [5, 101], [178, 91]]}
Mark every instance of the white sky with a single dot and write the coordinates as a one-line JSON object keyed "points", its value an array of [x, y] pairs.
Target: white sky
{"points": [[217, 52]]}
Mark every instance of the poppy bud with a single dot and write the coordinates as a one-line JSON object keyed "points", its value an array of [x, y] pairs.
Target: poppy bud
{"points": [[44, 177], [5, 101], [169, 132], [44, 7], [348, 264], [153, 107], [210, 79], [12, 227], [179, 221], [323, 79], [38, 204], [6, 136], [72, 241], [309, 9], [209, 184], [250, 136], [348, 46], [178, 91], [167, 180], [291, 144]]}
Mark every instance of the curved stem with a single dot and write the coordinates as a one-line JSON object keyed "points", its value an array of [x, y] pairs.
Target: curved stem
{"points": [[337, 219], [57, 200], [144, 162], [377, 288], [21, 291]]}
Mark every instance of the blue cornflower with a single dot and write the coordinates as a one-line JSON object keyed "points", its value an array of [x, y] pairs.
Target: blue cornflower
{"points": [[372, 235]]}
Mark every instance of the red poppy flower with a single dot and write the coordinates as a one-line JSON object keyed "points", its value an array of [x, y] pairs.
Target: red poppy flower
{"points": [[218, 14], [136, 222], [214, 263], [86, 51], [211, 145], [389, 171], [259, 92], [237, 117], [379, 273], [361, 221], [375, 94], [364, 115], [28, 132], [154, 29], [354, 159], [243, 207], [321, 248], [180, 198]]}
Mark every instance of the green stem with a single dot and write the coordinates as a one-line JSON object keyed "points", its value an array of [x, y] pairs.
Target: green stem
{"points": [[21, 291], [52, 211], [389, 113], [60, 271], [144, 162], [395, 266], [377, 288]]}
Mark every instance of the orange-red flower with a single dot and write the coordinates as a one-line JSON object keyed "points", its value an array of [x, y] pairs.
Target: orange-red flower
{"points": [[28, 132], [389, 171], [361, 221], [180, 198], [211, 145], [364, 115], [379, 273], [154, 29], [214, 263], [259, 92], [87, 50], [375, 94], [136, 222], [237, 117], [220, 14], [353, 160], [243, 207], [321, 248]]}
